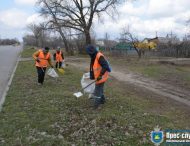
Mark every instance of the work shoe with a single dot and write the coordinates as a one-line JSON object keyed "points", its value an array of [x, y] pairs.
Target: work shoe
{"points": [[97, 103], [102, 100], [39, 84]]}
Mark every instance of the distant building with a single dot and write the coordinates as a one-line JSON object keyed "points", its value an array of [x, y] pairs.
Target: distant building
{"points": [[156, 40], [123, 46], [105, 44], [163, 40], [100, 42]]}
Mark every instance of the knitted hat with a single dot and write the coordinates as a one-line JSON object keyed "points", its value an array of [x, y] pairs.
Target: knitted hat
{"points": [[90, 49], [46, 48]]}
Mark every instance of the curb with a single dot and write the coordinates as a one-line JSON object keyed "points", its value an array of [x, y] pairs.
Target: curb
{"points": [[9, 83]]}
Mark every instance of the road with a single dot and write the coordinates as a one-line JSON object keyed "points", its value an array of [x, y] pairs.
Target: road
{"points": [[8, 58]]}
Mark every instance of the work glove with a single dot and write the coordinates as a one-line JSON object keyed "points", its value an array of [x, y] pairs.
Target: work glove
{"points": [[38, 60], [99, 78]]}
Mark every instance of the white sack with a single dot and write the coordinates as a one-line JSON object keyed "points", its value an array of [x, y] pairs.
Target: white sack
{"points": [[52, 73], [63, 64], [85, 81]]}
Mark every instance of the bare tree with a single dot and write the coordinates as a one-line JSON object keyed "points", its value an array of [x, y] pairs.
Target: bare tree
{"points": [[80, 43], [131, 38], [51, 41], [50, 11], [36, 31], [75, 14], [169, 49], [14, 41], [29, 40]]}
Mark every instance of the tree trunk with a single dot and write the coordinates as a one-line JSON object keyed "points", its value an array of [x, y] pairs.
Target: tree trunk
{"points": [[87, 42], [64, 40], [68, 50], [138, 52], [88, 37]]}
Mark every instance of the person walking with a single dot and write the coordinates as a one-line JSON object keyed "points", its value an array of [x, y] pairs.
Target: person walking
{"points": [[42, 58], [58, 57], [99, 70]]}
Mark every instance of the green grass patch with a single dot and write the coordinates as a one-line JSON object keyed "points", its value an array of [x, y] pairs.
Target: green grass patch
{"points": [[28, 51], [184, 71], [165, 72], [172, 74], [149, 71], [50, 115]]}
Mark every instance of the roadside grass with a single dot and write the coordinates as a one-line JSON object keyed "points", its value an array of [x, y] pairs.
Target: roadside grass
{"points": [[172, 74], [50, 115], [28, 51], [179, 75]]}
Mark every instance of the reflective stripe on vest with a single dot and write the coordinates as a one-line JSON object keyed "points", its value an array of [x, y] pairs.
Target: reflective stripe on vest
{"points": [[43, 59], [59, 57], [97, 69]]}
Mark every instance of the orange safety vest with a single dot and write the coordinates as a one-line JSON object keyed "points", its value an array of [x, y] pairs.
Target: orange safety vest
{"points": [[97, 69], [43, 59], [59, 57]]}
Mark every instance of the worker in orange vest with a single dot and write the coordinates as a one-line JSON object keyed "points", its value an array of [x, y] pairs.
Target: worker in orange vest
{"points": [[42, 58], [58, 57], [99, 70]]}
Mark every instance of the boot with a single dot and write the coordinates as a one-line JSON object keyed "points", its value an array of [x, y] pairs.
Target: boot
{"points": [[97, 102], [103, 100]]}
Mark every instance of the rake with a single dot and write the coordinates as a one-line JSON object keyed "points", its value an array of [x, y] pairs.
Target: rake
{"points": [[79, 94]]}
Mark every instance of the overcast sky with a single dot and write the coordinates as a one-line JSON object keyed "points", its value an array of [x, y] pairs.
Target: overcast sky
{"points": [[144, 18]]}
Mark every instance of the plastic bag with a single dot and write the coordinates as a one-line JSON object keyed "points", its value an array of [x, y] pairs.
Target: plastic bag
{"points": [[63, 64], [52, 73], [85, 81]]}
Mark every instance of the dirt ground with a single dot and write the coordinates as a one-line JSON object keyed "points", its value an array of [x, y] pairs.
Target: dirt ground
{"points": [[166, 89]]}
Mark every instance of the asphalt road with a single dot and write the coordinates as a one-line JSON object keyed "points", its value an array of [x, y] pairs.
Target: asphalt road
{"points": [[8, 58]]}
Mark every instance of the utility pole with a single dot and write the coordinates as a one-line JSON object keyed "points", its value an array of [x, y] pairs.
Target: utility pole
{"points": [[128, 28], [171, 36]]}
